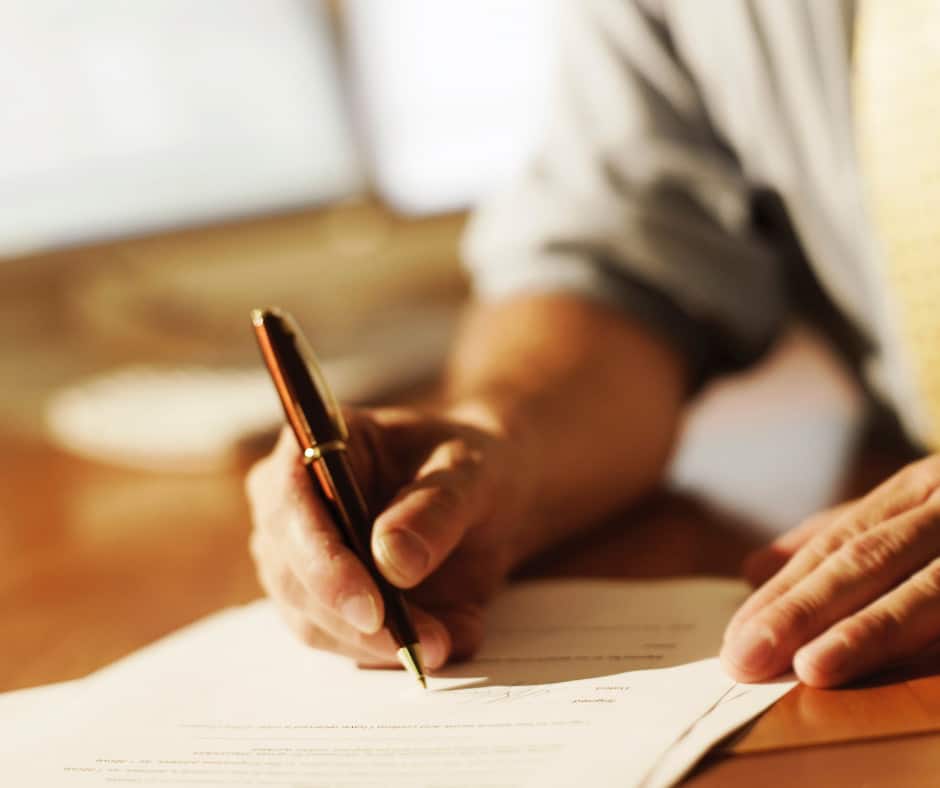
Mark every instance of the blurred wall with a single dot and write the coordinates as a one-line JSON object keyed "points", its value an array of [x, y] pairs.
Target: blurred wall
{"points": [[451, 95], [122, 117]]}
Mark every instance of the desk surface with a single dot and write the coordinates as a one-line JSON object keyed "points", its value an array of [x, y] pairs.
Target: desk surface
{"points": [[98, 561]]}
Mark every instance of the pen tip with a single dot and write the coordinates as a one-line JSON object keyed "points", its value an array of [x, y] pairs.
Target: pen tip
{"points": [[410, 657], [257, 317]]}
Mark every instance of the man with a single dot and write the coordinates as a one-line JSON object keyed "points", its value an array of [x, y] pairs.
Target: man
{"points": [[695, 147]]}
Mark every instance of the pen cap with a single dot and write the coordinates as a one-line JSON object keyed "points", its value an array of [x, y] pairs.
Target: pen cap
{"points": [[308, 402]]}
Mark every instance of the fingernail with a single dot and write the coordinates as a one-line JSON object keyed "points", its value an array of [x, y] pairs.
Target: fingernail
{"points": [[751, 650], [404, 552], [824, 659], [361, 611]]}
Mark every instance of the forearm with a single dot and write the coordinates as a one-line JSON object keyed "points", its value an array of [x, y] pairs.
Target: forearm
{"points": [[592, 399]]}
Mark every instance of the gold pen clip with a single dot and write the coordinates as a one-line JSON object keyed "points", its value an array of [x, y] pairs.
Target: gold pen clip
{"points": [[309, 404]]}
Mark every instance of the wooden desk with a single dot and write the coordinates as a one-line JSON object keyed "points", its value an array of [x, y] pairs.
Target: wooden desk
{"points": [[96, 562]]}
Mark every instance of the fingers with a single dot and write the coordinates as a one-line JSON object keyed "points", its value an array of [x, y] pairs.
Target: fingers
{"points": [[327, 596], [429, 517], [805, 561], [464, 625], [311, 635], [331, 573], [302, 541], [375, 651], [903, 491], [323, 628], [861, 571], [900, 624], [763, 564]]}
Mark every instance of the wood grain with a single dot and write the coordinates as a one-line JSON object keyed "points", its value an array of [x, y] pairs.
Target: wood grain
{"points": [[97, 562], [902, 700], [907, 762]]}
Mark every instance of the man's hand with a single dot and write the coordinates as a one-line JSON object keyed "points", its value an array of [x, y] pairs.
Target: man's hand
{"points": [[849, 591], [446, 496], [540, 438]]}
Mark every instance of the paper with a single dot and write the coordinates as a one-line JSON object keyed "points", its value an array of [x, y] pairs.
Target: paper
{"points": [[614, 679], [737, 706], [19, 705]]}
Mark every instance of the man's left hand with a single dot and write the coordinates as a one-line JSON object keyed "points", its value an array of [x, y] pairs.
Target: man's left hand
{"points": [[847, 592]]}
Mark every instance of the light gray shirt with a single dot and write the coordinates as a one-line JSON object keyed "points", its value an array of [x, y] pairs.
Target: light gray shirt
{"points": [[697, 150]]}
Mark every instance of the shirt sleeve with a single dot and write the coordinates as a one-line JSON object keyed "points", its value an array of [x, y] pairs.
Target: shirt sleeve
{"points": [[634, 200]]}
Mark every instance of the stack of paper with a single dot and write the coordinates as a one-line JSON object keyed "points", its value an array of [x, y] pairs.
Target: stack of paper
{"points": [[610, 682]]}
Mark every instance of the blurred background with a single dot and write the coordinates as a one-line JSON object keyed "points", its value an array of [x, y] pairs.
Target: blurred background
{"points": [[167, 165]]}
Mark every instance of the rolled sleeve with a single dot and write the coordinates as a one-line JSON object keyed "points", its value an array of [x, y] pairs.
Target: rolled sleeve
{"points": [[633, 200]]}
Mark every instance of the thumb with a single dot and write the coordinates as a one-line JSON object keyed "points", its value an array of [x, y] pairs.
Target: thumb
{"points": [[429, 516]]}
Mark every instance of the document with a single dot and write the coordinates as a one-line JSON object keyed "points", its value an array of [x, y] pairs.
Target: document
{"points": [[612, 682], [736, 707]]}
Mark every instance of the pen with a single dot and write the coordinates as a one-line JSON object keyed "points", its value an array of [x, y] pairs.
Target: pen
{"points": [[321, 433]]}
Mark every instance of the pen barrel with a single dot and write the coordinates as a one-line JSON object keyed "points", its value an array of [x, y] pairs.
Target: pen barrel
{"points": [[332, 474]]}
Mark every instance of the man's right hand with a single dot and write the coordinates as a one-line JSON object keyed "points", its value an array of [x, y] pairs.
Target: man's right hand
{"points": [[448, 494], [562, 412]]}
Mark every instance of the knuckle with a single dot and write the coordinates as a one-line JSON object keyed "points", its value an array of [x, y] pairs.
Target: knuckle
{"points": [[868, 553], [832, 540], [466, 456], [921, 478], [870, 626], [929, 518], [325, 550], [287, 587], [460, 457], [447, 498], [824, 545], [256, 480], [328, 578], [793, 614], [927, 580], [435, 503]]}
